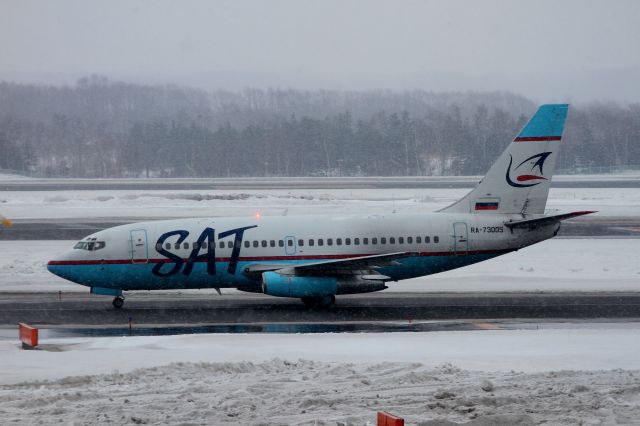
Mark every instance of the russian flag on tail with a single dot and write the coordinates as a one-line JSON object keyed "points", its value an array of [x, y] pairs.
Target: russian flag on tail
{"points": [[546, 125], [487, 204]]}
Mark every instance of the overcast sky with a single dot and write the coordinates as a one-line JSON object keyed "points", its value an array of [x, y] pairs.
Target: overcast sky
{"points": [[547, 50]]}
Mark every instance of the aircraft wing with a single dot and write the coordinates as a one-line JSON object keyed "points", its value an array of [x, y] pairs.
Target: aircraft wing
{"points": [[545, 220], [362, 265]]}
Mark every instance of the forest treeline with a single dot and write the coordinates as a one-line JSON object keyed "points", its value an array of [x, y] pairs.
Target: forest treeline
{"points": [[99, 128]]}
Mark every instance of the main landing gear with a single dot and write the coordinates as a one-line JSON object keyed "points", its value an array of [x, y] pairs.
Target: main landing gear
{"points": [[319, 302], [118, 302]]}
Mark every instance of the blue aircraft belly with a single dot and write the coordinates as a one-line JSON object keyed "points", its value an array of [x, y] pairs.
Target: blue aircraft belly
{"points": [[139, 276]]}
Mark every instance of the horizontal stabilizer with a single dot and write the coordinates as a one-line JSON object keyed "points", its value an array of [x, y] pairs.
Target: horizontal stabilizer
{"points": [[545, 220]]}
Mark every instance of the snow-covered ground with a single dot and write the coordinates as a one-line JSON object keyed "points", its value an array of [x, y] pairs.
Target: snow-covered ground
{"points": [[587, 374], [553, 265], [134, 203], [11, 177], [509, 377]]}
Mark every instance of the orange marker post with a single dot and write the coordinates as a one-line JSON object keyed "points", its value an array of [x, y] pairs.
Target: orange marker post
{"points": [[28, 336], [386, 419]]}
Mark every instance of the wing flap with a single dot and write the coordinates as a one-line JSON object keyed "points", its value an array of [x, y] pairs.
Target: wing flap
{"points": [[362, 265]]}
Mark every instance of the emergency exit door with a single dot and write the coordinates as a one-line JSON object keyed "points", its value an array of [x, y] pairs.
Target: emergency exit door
{"points": [[460, 238], [139, 248]]}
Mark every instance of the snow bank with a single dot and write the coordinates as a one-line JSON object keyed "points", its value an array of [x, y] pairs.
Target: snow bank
{"points": [[601, 346], [553, 265], [325, 379]]}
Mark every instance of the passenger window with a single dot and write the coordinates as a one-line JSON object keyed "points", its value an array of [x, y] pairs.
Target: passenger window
{"points": [[264, 243], [280, 243], [365, 241], [356, 241], [409, 240], [338, 241], [255, 244], [301, 243], [229, 244], [221, 244], [237, 243], [290, 243], [204, 244], [400, 240], [176, 246], [185, 246], [329, 241], [347, 241], [383, 240], [320, 242], [418, 240], [167, 246], [247, 244], [436, 240], [427, 240], [272, 243], [374, 241], [196, 246], [311, 242], [158, 247]]}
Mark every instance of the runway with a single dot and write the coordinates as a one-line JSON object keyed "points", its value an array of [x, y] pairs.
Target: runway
{"points": [[164, 309]]}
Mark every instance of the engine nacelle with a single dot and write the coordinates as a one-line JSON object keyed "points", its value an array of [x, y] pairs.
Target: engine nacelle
{"points": [[275, 284]]}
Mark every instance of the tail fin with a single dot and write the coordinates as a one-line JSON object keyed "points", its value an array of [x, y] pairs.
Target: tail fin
{"points": [[518, 182]]}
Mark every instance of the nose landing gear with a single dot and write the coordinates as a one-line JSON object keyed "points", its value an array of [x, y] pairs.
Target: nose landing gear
{"points": [[118, 302]]}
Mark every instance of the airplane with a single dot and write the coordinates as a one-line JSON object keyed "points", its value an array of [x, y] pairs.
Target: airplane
{"points": [[315, 258]]}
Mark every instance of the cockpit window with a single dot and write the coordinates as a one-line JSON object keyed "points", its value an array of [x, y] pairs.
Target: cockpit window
{"points": [[90, 245]]}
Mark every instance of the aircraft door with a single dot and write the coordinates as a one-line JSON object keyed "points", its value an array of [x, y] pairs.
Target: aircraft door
{"points": [[460, 238], [139, 247], [290, 245]]}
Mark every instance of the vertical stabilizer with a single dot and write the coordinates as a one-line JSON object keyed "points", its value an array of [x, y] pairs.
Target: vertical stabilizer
{"points": [[518, 182]]}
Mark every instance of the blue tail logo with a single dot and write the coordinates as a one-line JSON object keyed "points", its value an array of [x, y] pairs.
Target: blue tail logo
{"points": [[536, 162]]}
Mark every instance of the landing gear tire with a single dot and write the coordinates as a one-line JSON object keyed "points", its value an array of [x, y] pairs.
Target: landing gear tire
{"points": [[319, 302], [118, 302]]}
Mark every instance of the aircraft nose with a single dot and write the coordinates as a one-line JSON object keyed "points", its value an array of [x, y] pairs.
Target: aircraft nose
{"points": [[53, 266], [60, 265]]}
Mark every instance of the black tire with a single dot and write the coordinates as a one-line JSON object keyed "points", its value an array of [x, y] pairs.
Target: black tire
{"points": [[328, 301], [118, 302]]}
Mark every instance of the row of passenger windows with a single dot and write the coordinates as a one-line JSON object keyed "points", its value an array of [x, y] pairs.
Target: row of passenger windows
{"points": [[311, 242]]}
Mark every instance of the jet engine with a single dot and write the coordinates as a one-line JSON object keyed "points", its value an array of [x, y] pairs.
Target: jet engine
{"points": [[275, 284]]}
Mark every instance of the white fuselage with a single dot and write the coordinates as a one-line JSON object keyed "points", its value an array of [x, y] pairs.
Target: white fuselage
{"points": [[216, 252]]}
